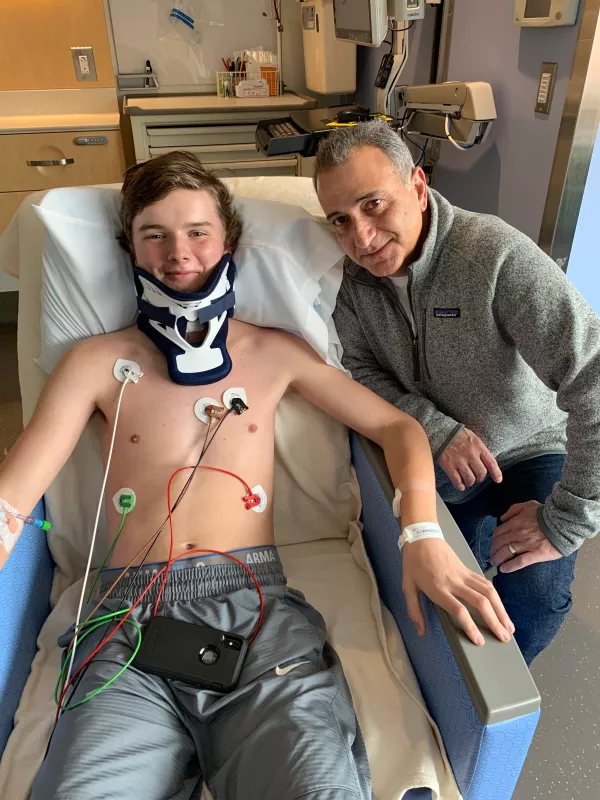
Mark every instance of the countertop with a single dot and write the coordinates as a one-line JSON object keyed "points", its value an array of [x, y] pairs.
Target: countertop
{"points": [[182, 104], [59, 110]]}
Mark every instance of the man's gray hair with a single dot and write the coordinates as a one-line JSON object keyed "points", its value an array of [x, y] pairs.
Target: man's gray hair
{"points": [[339, 145]]}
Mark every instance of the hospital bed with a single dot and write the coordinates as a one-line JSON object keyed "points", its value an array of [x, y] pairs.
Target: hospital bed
{"points": [[441, 717]]}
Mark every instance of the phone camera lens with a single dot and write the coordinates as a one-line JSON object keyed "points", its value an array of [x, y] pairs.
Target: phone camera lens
{"points": [[208, 655]]}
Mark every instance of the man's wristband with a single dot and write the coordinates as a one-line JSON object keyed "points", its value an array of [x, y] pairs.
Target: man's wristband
{"points": [[419, 531]]}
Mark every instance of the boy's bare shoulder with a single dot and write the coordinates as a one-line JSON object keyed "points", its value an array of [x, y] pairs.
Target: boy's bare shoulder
{"points": [[86, 370], [93, 358], [120, 344], [284, 354], [291, 349], [270, 338]]}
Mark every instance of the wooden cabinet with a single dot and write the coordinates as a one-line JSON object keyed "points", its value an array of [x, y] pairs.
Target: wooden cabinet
{"points": [[36, 40], [84, 164], [32, 161]]}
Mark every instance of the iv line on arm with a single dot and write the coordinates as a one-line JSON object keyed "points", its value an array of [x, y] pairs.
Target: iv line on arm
{"points": [[38, 523], [10, 528]]}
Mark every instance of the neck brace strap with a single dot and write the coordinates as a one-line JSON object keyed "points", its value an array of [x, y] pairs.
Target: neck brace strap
{"points": [[167, 316]]}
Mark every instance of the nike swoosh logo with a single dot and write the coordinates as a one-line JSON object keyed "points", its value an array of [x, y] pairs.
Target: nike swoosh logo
{"points": [[284, 670]]}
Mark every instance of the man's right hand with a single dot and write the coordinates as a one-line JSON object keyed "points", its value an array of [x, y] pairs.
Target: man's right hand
{"points": [[467, 460]]}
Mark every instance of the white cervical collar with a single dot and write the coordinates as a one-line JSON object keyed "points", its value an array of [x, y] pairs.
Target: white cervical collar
{"points": [[166, 316]]}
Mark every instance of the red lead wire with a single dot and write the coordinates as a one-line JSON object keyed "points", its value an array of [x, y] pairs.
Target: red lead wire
{"points": [[141, 597], [250, 501]]}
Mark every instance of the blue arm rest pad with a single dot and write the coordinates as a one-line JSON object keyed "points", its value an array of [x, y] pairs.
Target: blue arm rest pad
{"points": [[25, 585], [486, 759]]}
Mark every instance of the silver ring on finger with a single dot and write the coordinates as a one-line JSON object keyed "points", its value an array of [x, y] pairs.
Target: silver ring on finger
{"points": [[512, 550]]}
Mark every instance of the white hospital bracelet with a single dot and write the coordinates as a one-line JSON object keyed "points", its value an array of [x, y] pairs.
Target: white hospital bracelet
{"points": [[419, 531]]}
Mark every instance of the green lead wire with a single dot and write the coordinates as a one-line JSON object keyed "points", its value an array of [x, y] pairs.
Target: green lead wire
{"points": [[93, 625], [107, 556]]}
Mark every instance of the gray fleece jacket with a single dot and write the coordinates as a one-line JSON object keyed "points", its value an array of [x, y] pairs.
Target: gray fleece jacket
{"points": [[505, 345]]}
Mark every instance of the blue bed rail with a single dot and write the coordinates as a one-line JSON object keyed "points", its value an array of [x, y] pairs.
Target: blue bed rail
{"points": [[486, 758], [25, 585]]}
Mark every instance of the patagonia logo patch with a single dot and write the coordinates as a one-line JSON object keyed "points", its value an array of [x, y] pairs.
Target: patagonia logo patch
{"points": [[447, 313]]}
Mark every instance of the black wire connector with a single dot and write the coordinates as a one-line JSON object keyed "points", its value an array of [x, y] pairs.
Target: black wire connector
{"points": [[238, 405]]}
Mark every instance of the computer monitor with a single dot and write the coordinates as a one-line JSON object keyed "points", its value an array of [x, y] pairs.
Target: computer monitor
{"points": [[363, 22]]}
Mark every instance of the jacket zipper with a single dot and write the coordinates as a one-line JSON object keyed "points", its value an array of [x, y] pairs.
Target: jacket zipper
{"points": [[425, 364], [413, 337]]}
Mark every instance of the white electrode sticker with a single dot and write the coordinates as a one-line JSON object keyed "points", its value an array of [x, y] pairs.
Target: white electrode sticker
{"points": [[124, 369], [230, 394], [126, 505], [260, 492], [200, 408]]}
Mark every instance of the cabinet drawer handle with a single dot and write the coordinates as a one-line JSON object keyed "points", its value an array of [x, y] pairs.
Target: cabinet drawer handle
{"points": [[58, 162]]}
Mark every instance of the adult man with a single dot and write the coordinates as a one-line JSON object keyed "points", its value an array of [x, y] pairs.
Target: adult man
{"points": [[277, 734], [462, 322]]}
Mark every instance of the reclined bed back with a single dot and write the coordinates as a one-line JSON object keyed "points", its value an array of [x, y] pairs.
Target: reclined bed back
{"points": [[312, 450]]}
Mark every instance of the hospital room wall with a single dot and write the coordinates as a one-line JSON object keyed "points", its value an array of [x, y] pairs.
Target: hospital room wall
{"points": [[509, 174], [36, 55], [241, 24], [36, 52]]}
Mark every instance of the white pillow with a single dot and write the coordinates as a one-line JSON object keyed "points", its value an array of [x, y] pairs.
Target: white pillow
{"points": [[289, 271]]}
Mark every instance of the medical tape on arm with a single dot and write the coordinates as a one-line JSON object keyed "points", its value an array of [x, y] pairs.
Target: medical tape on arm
{"points": [[10, 525], [410, 486]]}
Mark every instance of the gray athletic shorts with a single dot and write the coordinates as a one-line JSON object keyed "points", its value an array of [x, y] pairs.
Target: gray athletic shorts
{"points": [[275, 737]]}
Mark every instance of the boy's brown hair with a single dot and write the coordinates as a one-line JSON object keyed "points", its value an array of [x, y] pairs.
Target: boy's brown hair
{"points": [[147, 183]]}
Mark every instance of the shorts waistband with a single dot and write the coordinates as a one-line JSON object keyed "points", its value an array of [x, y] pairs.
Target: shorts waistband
{"points": [[197, 576]]}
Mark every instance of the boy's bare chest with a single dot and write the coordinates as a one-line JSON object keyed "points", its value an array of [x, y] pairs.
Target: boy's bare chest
{"points": [[161, 418]]}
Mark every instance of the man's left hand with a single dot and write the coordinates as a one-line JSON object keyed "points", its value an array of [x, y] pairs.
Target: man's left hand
{"points": [[520, 530]]}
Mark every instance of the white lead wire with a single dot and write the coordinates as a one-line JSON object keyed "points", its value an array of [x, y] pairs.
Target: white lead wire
{"points": [[128, 379]]}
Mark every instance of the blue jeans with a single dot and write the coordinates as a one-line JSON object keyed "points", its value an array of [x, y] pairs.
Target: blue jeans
{"points": [[538, 597]]}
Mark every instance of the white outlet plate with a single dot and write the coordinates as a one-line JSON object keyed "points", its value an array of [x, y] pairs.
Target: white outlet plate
{"points": [[82, 56]]}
